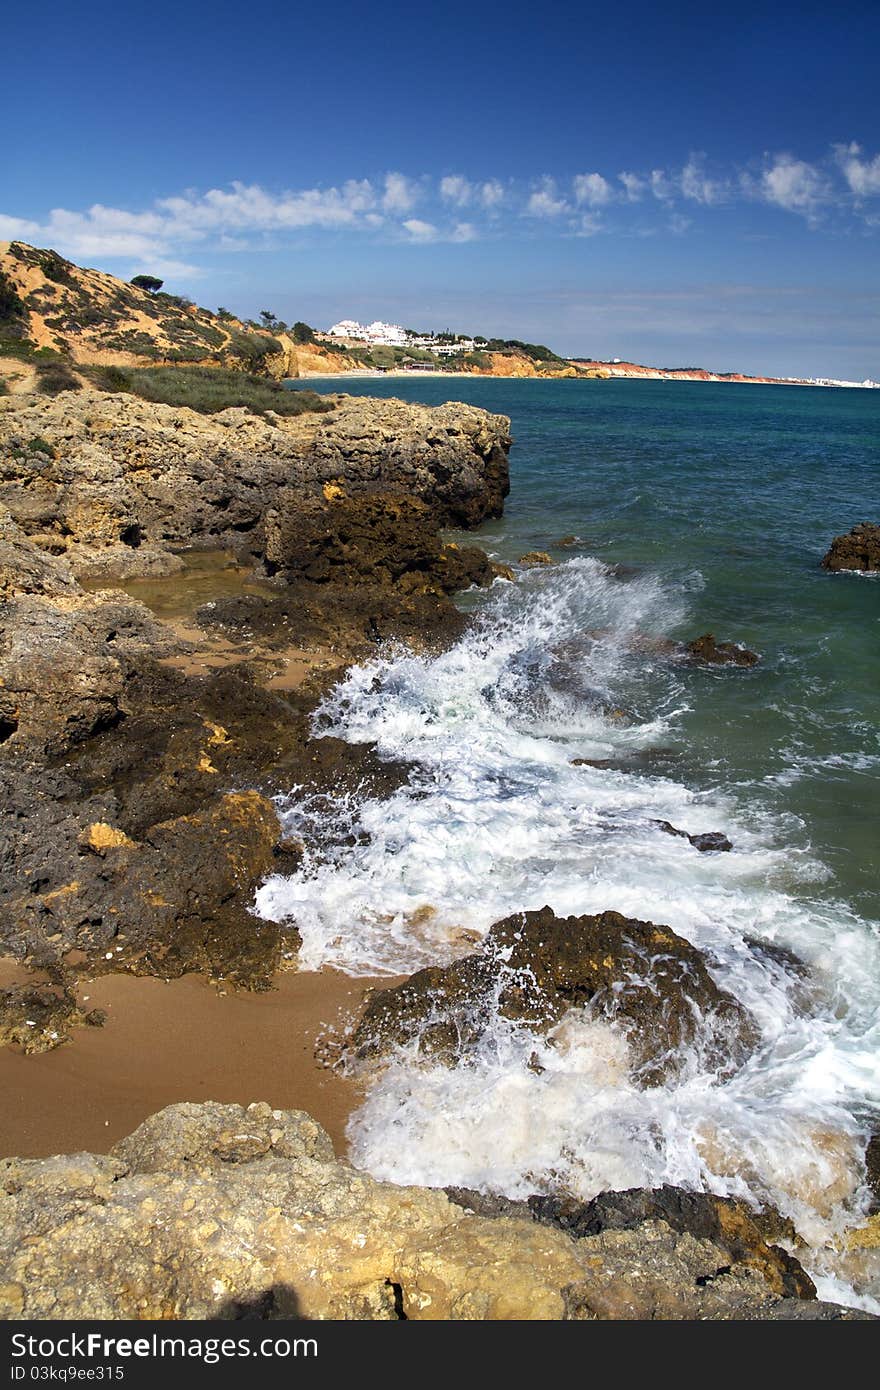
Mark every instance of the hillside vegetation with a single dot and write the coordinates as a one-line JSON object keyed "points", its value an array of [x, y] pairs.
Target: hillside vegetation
{"points": [[206, 389], [58, 319], [53, 309]]}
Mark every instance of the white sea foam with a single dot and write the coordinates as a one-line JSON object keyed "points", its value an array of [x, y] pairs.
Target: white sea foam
{"points": [[496, 819]]}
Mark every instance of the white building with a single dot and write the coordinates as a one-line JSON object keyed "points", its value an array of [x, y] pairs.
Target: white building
{"points": [[379, 333], [346, 328]]}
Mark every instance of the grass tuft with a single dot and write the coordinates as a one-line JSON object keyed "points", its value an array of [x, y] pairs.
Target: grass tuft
{"points": [[206, 389]]}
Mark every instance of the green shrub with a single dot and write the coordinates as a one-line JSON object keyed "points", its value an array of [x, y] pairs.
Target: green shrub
{"points": [[56, 268], [254, 348], [55, 377], [147, 282], [537, 351], [28, 450], [12, 310], [207, 389], [108, 378], [179, 301]]}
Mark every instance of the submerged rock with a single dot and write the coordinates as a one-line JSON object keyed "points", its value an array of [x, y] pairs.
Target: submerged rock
{"points": [[858, 550], [225, 1211], [711, 653], [536, 557], [534, 966], [706, 841]]}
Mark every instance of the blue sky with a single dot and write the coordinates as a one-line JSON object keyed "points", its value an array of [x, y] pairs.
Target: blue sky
{"points": [[677, 184]]}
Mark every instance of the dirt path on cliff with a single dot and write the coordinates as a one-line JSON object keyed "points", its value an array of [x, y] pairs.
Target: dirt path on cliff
{"points": [[179, 1041]]}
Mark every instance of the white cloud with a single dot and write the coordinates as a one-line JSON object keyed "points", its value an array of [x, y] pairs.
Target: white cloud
{"points": [[633, 186], [241, 216], [401, 193], [17, 228], [419, 230], [679, 224], [491, 194], [794, 185], [457, 190], [168, 269], [464, 231], [545, 201], [591, 189], [660, 186], [698, 187], [590, 224], [862, 175]]}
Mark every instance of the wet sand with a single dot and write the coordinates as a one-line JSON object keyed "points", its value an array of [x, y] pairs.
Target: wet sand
{"points": [[180, 1040]]}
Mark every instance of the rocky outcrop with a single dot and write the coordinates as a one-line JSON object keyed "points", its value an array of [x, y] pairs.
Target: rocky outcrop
{"points": [[221, 1211], [379, 538], [533, 967], [114, 483], [708, 652], [858, 550], [138, 823]]}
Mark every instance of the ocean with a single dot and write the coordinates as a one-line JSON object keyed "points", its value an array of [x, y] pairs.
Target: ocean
{"points": [[693, 507]]}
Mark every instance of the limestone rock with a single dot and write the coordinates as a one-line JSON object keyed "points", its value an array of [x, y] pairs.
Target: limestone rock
{"points": [[125, 480], [25, 568], [37, 1017], [223, 1211]]}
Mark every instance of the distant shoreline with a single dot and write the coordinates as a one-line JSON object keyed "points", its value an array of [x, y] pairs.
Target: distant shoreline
{"points": [[398, 374]]}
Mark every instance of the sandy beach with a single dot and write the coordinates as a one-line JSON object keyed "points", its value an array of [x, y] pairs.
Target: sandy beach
{"points": [[179, 1040]]}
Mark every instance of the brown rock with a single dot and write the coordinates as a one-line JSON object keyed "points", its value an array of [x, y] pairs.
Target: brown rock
{"points": [[711, 653], [535, 966], [858, 550], [38, 1017], [706, 841]]}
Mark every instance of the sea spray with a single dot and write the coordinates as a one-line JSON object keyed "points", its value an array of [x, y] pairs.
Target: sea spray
{"points": [[498, 818]]}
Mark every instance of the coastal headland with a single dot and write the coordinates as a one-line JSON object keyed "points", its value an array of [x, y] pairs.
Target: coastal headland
{"points": [[59, 321], [180, 585]]}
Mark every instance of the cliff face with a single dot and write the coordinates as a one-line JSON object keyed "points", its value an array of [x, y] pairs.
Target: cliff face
{"points": [[516, 364], [96, 319]]}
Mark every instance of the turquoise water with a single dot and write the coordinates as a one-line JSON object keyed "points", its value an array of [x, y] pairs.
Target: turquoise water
{"points": [[696, 507], [730, 495]]}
